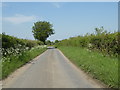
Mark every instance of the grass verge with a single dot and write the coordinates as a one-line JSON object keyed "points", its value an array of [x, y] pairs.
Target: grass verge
{"points": [[102, 68], [11, 63]]}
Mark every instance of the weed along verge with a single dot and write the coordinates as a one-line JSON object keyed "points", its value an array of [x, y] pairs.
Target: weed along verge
{"points": [[96, 64], [12, 62]]}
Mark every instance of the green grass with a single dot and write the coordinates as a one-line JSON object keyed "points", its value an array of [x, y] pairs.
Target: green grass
{"points": [[14, 62], [102, 68]]}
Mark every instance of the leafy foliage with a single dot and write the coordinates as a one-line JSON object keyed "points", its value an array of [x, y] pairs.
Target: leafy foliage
{"points": [[12, 62], [12, 45], [16, 52], [105, 42], [42, 30], [56, 41]]}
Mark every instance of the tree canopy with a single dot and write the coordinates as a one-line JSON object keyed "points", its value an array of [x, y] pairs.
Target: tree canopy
{"points": [[42, 30]]}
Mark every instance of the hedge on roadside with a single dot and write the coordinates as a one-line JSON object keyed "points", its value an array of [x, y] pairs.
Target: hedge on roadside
{"points": [[103, 41]]}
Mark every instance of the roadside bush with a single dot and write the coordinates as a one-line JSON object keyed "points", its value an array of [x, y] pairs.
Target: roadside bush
{"points": [[13, 45], [103, 41], [12, 62]]}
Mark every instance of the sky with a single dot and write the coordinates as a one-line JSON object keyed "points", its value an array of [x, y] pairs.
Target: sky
{"points": [[69, 19]]}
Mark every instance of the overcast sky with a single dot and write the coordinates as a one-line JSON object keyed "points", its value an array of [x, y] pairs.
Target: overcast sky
{"points": [[68, 18]]}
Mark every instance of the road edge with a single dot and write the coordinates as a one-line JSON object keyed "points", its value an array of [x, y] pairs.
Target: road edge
{"points": [[86, 75], [18, 72]]}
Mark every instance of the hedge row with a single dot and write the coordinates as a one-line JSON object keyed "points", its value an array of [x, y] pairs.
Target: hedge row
{"points": [[10, 41], [13, 45], [108, 43]]}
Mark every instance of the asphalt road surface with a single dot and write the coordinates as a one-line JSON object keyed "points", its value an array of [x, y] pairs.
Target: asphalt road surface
{"points": [[51, 70]]}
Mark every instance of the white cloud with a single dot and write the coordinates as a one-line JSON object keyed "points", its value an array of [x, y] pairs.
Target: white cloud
{"points": [[56, 4], [18, 19]]}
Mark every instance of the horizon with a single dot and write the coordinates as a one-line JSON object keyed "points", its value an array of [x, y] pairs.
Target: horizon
{"points": [[69, 19]]}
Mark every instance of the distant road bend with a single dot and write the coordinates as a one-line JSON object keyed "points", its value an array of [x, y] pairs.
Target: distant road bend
{"points": [[51, 70]]}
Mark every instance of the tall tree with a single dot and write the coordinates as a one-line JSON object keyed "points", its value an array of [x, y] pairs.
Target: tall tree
{"points": [[42, 30], [56, 41]]}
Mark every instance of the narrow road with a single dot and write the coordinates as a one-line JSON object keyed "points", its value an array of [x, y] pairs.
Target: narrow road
{"points": [[51, 70]]}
